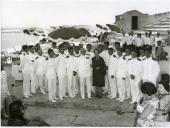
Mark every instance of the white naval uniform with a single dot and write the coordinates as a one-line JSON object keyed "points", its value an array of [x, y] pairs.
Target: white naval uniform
{"points": [[105, 55], [91, 56], [112, 71], [127, 84], [84, 71], [70, 67], [120, 74], [147, 41], [32, 73], [76, 80], [129, 40], [51, 76], [24, 64], [135, 68], [139, 42], [151, 70], [123, 40], [40, 65], [61, 73]]}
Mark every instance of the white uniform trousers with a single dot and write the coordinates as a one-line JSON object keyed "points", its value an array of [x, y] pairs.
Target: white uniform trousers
{"points": [[70, 78], [135, 90], [32, 74], [62, 86], [26, 83], [127, 87], [40, 83], [75, 85], [52, 88], [113, 87], [121, 87], [85, 81], [106, 87]]}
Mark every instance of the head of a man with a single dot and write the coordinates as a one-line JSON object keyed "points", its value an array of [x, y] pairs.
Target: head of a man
{"points": [[117, 45], [106, 45], [133, 53], [70, 50], [25, 48], [53, 44], [159, 43], [147, 52], [83, 51], [119, 52], [31, 48], [127, 50], [110, 51], [50, 53], [142, 52], [76, 49], [61, 48], [96, 52], [88, 47], [39, 52], [158, 34], [100, 48]]}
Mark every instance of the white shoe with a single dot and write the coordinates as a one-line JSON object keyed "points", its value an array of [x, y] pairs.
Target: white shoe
{"points": [[53, 101], [29, 95], [118, 99], [112, 97], [61, 99], [55, 98], [122, 100], [83, 98], [26, 97], [109, 96], [132, 102], [127, 98], [65, 96]]}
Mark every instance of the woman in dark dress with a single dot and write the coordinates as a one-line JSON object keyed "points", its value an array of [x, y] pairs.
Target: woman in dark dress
{"points": [[99, 72]]}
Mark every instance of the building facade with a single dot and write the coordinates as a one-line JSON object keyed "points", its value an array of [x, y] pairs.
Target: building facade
{"points": [[135, 20]]}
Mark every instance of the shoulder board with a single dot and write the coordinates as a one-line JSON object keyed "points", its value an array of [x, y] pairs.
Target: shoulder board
{"points": [[154, 59], [67, 56], [46, 58], [53, 56], [28, 53], [36, 57], [138, 59], [124, 58], [144, 59], [78, 55], [114, 56], [57, 55], [130, 59], [24, 54]]}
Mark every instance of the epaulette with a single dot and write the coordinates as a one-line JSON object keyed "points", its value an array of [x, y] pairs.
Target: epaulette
{"points": [[46, 58], [53, 56], [78, 55], [67, 56], [124, 58], [144, 59], [114, 55], [57, 55], [32, 60], [24, 54], [130, 59], [154, 59], [28, 53], [138, 59], [36, 57]]}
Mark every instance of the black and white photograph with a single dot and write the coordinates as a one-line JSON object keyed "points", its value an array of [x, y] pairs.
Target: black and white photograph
{"points": [[85, 63]]}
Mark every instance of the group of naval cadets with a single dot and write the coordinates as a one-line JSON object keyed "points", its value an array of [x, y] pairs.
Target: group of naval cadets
{"points": [[68, 70]]}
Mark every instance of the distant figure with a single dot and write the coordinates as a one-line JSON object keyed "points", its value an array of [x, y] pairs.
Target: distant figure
{"points": [[159, 53], [99, 72]]}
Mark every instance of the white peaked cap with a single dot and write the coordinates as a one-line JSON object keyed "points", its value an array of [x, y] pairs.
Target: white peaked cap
{"points": [[110, 46], [76, 43], [58, 43]]}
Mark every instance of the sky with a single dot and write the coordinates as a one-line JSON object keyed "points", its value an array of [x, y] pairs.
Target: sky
{"points": [[45, 13]]}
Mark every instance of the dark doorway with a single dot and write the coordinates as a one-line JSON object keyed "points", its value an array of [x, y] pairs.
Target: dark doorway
{"points": [[134, 22]]}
